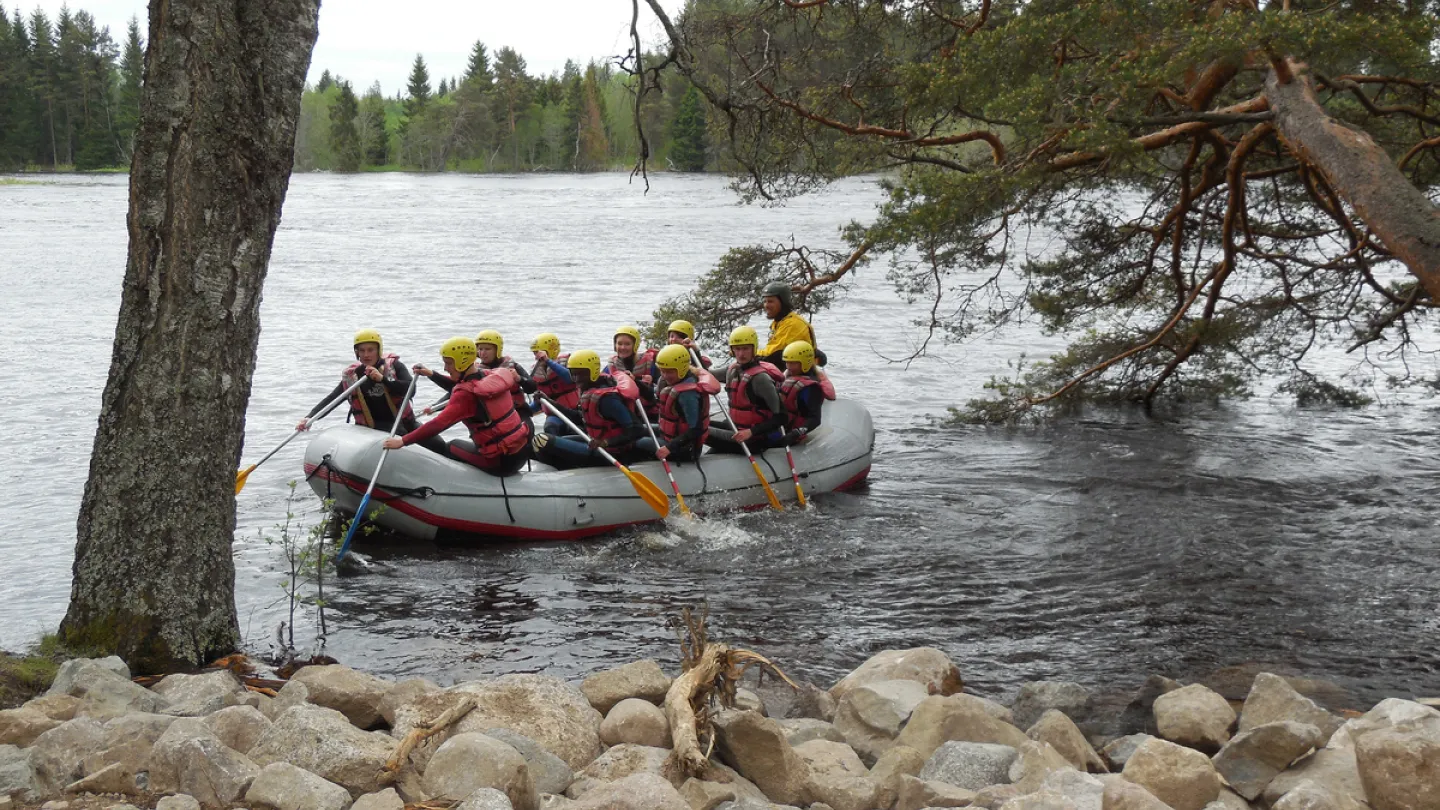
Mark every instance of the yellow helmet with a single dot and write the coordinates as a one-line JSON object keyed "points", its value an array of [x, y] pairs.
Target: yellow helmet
{"points": [[547, 342], [628, 330], [674, 357], [460, 351], [586, 359], [745, 336], [369, 336], [683, 327], [800, 352], [493, 338]]}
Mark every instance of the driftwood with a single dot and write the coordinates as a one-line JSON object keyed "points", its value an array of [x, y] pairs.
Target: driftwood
{"points": [[420, 733], [711, 675]]}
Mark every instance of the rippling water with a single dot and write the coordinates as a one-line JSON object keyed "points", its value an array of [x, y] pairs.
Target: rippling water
{"points": [[1098, 549]]}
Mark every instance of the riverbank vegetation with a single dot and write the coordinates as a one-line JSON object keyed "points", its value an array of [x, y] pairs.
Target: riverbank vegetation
{"points": [[1198, 194]]}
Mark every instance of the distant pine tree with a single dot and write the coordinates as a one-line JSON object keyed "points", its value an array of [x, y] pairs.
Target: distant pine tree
{"points": [[132, 73], [344, 137], [326, 82], [418, 88], [374, 136], [687, 134], [478, 70]]}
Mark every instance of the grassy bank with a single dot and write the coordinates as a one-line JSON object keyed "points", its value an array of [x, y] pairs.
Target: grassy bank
{"points": [[25, 675]]}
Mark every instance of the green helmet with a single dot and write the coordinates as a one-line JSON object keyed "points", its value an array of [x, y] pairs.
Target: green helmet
{"points": [[781, 290]]}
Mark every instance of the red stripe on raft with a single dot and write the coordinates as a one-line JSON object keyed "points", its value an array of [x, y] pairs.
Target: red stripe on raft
{"points": [[855, 481]]}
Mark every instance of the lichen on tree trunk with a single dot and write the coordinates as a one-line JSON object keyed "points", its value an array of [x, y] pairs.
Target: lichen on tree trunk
{"points": [[154, 579]]}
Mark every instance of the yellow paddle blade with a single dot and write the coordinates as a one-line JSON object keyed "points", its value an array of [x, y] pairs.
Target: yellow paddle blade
{"points": [[242, 476], [650, 493], [800, 494], [769, 493], [684, 510]]}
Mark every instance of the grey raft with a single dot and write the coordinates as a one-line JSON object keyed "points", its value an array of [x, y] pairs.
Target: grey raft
{"points": [[424, 494]]}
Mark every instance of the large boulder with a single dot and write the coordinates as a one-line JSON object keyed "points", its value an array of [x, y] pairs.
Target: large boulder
{"points": [[637, 721], [1035, 762], [17, 775], [618, 763], [129, 741], [1122, 794], [642, 680], [238, 727], [837, 776], [356, 695], [1272, 699], [755, 746], [969, 765], [324, 742], [1057, 729], [1390, 714], [215, 775], [104, 689], [467, 762], [58, 755], [21, 726], [291, 695], [1194, 716], [1181, 777], [199, 695], [1310, 796], [804, 729], [403, 692], [55, 707], [549, 772], [886, 773], [1038, 697], [1400, 769], [486, 799], [960, 718], [640, 791], [702, 795], [871, 715], [386, 799], [916, 793], [545, 709], [282, 786], [1117, 752], [1332, 769], [1081, 790], [927, 666], [1255, 756]]}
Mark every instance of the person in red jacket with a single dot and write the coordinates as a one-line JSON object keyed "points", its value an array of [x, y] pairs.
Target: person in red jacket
{"points": [[499, 441]]}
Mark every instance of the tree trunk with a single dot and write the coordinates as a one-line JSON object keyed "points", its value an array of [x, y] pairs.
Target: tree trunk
{"points": [[154, 580], [1361, 172]]}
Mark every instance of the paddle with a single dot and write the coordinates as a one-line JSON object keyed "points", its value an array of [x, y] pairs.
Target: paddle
{"points": [[365, 501], [684, 510], [724, 411], [243, 475], [647, 491], [795, 476]]}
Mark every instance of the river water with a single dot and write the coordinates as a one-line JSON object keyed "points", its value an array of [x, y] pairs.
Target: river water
{"points": [[1098, 549]]}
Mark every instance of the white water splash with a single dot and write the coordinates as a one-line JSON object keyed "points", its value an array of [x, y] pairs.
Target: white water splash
{"points": [[718, 533]]}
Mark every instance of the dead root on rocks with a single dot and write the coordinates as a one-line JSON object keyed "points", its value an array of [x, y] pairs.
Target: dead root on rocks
{"points": [[422, 732], [712, 672]]}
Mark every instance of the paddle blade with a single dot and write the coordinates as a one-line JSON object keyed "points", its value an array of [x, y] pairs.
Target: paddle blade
{"points": [[242, 476], [647, 490], [684, 510], [769, 493], [800, 495]]}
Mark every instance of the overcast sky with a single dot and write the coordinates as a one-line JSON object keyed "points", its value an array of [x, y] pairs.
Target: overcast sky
{"points": [[369, 40]]}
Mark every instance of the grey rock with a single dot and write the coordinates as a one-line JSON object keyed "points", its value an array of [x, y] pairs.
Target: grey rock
{"points": [[639, 679], [1331, 769], [804, 729], [290, 695], [58, 755], [1181, 777], [898, 761], [956, 718], [925, 665], [1118, 750], [1255, 756], [916, 793], [486, 799], [1122, 794], [17, 775], [1272, 699], [178, 802], [748, 701], [355, 694], [837, 776], [1057, 729], [640, 791], [404, 692], [636, 721], [871, 715], [207, 770], [1400, 769], [550, 773], [386, 799], [79, 669], [55, 707], [468, 762], [1084, 791], [324, 742], [969, 765], [1194, 716], [103, 690], [755, 746], [110, 779], [1037, 697], [21, 726], [1309, 796], [701, 795], [199, 695], [283, 786], [238, 727], [1229, 800], [547, 710], [616, 764], [1391, 714], [812, 702], [1034, 763]]}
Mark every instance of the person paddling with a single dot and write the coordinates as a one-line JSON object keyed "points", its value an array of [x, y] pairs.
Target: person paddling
{"points": [[640, 365], [682, 333], [499, 442], [683, 405], [603, 410], [752, 389], [786, 325], [553, 379], [376, 403], [803, 392]]}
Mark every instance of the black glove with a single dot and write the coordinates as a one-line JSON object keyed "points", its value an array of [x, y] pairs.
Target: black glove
{"points": [[796, 436]]}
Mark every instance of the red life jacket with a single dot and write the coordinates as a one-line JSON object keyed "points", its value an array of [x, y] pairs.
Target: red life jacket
{"points": [[744, 413], [672, 419], [359, 408], [597, 424], [497, 429], [555, 387], [790, 392], [522, 405], [643, 366]]}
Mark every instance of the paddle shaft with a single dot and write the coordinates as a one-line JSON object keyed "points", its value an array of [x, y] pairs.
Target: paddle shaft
{"points": [[384, 451], [640, 412], [555, 412], [799, 493], [652, 495], [244, 474], [724, 411]]}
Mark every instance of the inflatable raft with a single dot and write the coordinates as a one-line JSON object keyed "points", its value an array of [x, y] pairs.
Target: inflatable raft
{"points": [[426, 495]]}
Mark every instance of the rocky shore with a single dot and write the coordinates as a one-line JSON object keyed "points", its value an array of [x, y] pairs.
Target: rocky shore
{"points": [[897, 733]]}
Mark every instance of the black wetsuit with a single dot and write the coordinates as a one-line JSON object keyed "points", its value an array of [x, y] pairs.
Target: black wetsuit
{"points": [[378, 404]]}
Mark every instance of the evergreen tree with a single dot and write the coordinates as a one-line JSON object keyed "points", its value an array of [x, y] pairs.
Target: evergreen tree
{"points": [[42, 85], [418, 88], [574, 113], [687, 134], [513, 87], [326, 82], [374, 137], [593, 148], [344, 137], [444, 88], [132, 72], [478, 70]]}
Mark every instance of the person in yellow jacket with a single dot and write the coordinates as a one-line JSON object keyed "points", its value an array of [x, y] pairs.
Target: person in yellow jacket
{"points": [[786, 325]]}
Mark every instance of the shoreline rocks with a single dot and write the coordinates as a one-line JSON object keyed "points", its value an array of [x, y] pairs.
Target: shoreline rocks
{"points": [[903, 737]]}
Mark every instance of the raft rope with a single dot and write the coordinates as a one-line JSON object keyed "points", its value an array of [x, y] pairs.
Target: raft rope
{"points": [[506, 494]]}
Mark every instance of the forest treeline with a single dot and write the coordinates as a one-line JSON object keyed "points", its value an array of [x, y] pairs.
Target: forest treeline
{"points": [[70, 98]]}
